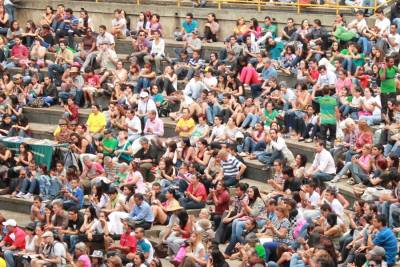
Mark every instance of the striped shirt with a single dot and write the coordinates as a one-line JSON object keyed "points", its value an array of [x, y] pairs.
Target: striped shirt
{"points": [[231, 166]]}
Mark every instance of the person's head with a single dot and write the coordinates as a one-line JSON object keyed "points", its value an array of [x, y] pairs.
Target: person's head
{"points": [[211, 17], [274, 134], [253, 192], [282, 212], [73, 213], [330, 194], [240, 21], [240, 189], [319, 146], [58, 207], [112, 193], [80, 249], [48, 237], [114, 261], [138, 197], [379, 221], [63, 45], [301, 160], [268, 20], [186, 113], [189, 17], [10, 225], [390, 61]]}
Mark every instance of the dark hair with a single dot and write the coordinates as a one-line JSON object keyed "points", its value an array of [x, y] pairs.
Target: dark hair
{"points": [[256, 194], [183, 218], [189, 14], [75, 210], [217, 257], [331, 219], [303, 159], [69, 10], [38, 198], [242, 186], [381, 219], [326, 207], [139, 196], [288, 171]]}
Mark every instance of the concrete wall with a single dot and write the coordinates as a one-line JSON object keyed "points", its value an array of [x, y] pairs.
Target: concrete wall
{"points": [[172, 16]]}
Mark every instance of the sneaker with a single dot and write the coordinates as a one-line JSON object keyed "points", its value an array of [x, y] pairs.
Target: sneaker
{"points": [[242, 154], [336, 179], [19, 195], [308, 140], [27, 196]]}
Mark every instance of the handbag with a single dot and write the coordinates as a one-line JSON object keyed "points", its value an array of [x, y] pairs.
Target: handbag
{"points": [[180, 255]]}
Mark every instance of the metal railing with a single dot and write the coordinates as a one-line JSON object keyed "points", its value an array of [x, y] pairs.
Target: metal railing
{"points": [[298, 4]]}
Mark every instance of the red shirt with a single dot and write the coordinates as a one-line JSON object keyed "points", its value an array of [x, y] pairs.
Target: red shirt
{"points": [[94, 80], [16, 238], [223, 202], [75, 112], [128, 240], [20, 51], [200, 191], [314, 74]]}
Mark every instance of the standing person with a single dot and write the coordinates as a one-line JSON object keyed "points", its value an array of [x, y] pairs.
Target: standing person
{"points": [[328, 109], [387, 74]]}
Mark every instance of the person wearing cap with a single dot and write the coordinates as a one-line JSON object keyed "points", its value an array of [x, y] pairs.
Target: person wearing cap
{"points": [[145, 104], [107, 59], [62, 134], [13, 242], [97, 258], [64, 58], [195, 86], [157, 51], [54, 252]]}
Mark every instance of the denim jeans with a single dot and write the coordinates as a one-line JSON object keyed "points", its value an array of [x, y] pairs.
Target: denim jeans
{"points": [[189, 203], [255, 90], [212, 111], [55, 71], [236, 236], [320, 177], [371, 119], [250, 120], [250, 145], [349, 65], [28, 186], [269, 158], [9, 257], [296, 261], [397, 22], [71, 240], [143, 83], [270, 248], [230, 181], [365, 44], [395, 149]]}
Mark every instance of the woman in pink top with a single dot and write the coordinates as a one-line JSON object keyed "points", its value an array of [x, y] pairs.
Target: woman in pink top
{"points": [[360, 167], [135, 177], [343, 82], [249, 75], [83, 259], [255, 28]]}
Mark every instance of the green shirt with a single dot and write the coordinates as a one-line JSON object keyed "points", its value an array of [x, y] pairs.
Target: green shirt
{"points": [[358, 62], [327, 109], [389, 84], [272, 28], [111, 143], [270, 116]]}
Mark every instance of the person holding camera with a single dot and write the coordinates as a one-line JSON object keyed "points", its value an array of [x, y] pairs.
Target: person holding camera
{"points": [[54, 252]]}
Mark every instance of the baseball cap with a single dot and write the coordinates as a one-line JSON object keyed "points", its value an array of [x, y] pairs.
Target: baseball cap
{"points": [[10, 222], [48, 234], [144, 94]]}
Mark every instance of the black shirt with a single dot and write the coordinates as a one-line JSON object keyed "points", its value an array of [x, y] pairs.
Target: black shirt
{"points": [[289, 32], [75, 225], [149, 154], [293, 185]]}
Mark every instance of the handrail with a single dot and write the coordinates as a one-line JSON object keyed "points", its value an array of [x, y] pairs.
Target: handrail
{"points": [[298, 4]]}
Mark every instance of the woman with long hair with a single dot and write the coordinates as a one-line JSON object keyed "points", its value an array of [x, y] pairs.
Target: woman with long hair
{"points": [[124, 208], [163, 211], [195, 251], [177, 233]]}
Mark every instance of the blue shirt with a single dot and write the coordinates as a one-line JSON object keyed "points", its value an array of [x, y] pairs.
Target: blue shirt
{"points": [[142, 212], [78, 193], [268, 73], [386, 239], [190, 27], [74, 22], [142, 246]]}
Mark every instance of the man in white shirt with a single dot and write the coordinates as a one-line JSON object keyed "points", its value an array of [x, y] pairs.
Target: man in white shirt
{"points": [[195, 86], [279, 149], [323, 168], [392, 40], [359, 24], [145, 104], [325, 78], [118, 24], [382, 23], [133, 125], [218, 131]]}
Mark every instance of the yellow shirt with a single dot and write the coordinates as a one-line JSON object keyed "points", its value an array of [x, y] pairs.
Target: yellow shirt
{"points": [[190, 124], [96, 122], [2, 262]]}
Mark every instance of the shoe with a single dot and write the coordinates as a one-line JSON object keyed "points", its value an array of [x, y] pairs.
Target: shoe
{"points": [[336, 179], [27, 196], [266, 168], [301, 139], [308, 140], [19, 195], [351, 182], [242, 154]]}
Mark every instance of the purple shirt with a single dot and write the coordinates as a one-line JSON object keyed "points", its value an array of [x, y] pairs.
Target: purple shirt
{"points": [[156, 126]]}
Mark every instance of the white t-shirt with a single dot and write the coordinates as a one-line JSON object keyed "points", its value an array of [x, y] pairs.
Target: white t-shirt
{"points": [[144, 107], [135, 124], [119, 22], [314, 198], [337, 207], [383, 25], [218, 131], [394, 38]]}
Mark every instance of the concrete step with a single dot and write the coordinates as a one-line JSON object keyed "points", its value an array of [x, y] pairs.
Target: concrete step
{"points": [[51, 115]]}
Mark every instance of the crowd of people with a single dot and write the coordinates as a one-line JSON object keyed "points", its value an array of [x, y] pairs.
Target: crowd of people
{"points": [[119, 180]]}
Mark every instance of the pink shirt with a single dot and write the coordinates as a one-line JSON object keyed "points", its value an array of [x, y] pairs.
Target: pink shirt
{"points": [[341, 84], [249, 76], [84, 259], [20, 51], [364, 160], [156, 126]]}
